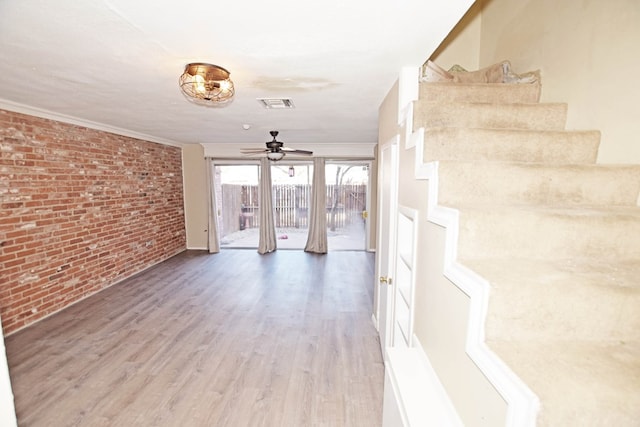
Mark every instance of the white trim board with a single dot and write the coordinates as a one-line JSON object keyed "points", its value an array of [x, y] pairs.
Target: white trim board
{"points": [[46, 114], [522, 404]]}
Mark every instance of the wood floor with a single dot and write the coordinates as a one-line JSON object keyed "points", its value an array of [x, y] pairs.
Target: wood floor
{"points": [[232, 339]]}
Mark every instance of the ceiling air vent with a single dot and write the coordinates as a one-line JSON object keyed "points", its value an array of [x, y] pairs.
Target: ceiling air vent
{"points": [[276, 103]]}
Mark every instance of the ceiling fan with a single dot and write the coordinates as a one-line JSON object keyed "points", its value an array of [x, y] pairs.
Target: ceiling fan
{"points": [[275, 150]]}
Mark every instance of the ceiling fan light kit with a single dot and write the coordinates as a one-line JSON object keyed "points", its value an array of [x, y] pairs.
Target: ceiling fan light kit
{"points": [[275, 155], [207, 84]]}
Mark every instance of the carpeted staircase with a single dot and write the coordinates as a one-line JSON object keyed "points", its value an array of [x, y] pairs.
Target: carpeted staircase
{"points": [[556, 235]]}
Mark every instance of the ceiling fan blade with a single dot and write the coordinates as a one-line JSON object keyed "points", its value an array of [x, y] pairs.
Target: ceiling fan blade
{"points": [[253, 150], [296, 151], [252, 155]]}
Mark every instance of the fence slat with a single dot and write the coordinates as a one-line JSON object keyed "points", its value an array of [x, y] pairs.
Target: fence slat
{"points": [[239, 205]]}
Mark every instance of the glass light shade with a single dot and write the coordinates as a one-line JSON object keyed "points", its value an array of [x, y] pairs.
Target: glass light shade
{"points": [[275, 155], [207, 84]]}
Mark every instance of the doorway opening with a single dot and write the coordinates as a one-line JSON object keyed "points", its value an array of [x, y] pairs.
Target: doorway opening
{"points": [[236, 187], [347, 205]]}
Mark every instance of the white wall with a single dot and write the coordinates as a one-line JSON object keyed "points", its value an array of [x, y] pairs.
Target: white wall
{"points": [[585, 50], [195, 196], [195, 179], [462, 45], [587, 53]]}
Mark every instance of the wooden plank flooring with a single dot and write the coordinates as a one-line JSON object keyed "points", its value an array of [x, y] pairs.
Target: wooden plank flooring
{"points": [[233, 339]]}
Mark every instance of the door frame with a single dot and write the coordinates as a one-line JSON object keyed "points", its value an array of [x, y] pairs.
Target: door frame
{"points": [[367, 223], [385, 255]]}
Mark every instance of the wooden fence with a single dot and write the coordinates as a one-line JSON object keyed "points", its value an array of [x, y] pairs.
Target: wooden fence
{"points": [[292, 206]]}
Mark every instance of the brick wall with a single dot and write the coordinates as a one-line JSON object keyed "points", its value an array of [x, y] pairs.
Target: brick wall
{"points": [[81, 210]]}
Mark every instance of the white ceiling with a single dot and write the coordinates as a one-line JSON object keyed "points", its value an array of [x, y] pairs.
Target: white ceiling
{"points": [[114, 64]]}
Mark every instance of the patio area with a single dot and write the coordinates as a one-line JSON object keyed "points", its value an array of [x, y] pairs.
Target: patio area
{"points": [[351, 238]]}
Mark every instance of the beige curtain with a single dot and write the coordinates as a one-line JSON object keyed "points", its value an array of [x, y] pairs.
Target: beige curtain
{"points": [[213, 239], [267, 241], [317, 238]]}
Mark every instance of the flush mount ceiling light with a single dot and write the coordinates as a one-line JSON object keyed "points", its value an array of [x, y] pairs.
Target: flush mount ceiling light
{"points": [[206, 84]]}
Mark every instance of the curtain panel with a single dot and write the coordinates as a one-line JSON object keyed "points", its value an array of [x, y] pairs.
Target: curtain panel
{"points": [[267, 240], [317, 238], [213, 240]]}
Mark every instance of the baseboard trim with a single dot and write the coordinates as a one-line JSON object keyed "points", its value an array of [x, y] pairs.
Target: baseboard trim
{"points": [[374, 320], [415, 394]]}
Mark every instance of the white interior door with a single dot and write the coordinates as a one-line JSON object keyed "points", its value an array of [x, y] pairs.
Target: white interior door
{"points": [[385, 259]]}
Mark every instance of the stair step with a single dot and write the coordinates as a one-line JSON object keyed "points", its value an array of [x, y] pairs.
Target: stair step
{"points": [[537, 183], [480, 92], [549, 232], [492, 116], [552, 147], [579, 383], [569, 299]]}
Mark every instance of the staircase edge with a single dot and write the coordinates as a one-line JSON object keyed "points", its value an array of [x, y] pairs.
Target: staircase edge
{"points": [[523, 405]]}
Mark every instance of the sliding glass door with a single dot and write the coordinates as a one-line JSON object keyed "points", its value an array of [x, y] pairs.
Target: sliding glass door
{"points": [[346, 204], [237, 195], [237, 199], [292, 203]]}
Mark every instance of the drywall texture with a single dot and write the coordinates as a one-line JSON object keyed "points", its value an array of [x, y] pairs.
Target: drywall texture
{"points": [[81, 210], [586, 51], [462, 45], [442, 312], [195, 196]]}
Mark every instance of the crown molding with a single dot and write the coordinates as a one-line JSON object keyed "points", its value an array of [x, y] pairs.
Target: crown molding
{"points": [[51, 115]]}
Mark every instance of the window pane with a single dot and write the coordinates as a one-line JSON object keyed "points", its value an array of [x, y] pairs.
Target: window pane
{"points": [[291, 200], [346, 204], [237, 199]]}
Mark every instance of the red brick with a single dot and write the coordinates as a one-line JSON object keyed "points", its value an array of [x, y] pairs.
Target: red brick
{"points": [[130, 193]]}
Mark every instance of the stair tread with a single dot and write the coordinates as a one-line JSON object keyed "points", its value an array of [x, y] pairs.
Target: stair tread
{"points": [[499, 92], [575, 298], [632, 212], [622, 273], [515, 131], [568, 231], [559, 248], [496, 105], [478, 84], [544, 165], [536, 183], [548, 116], [593, 383], [549, 146]]}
